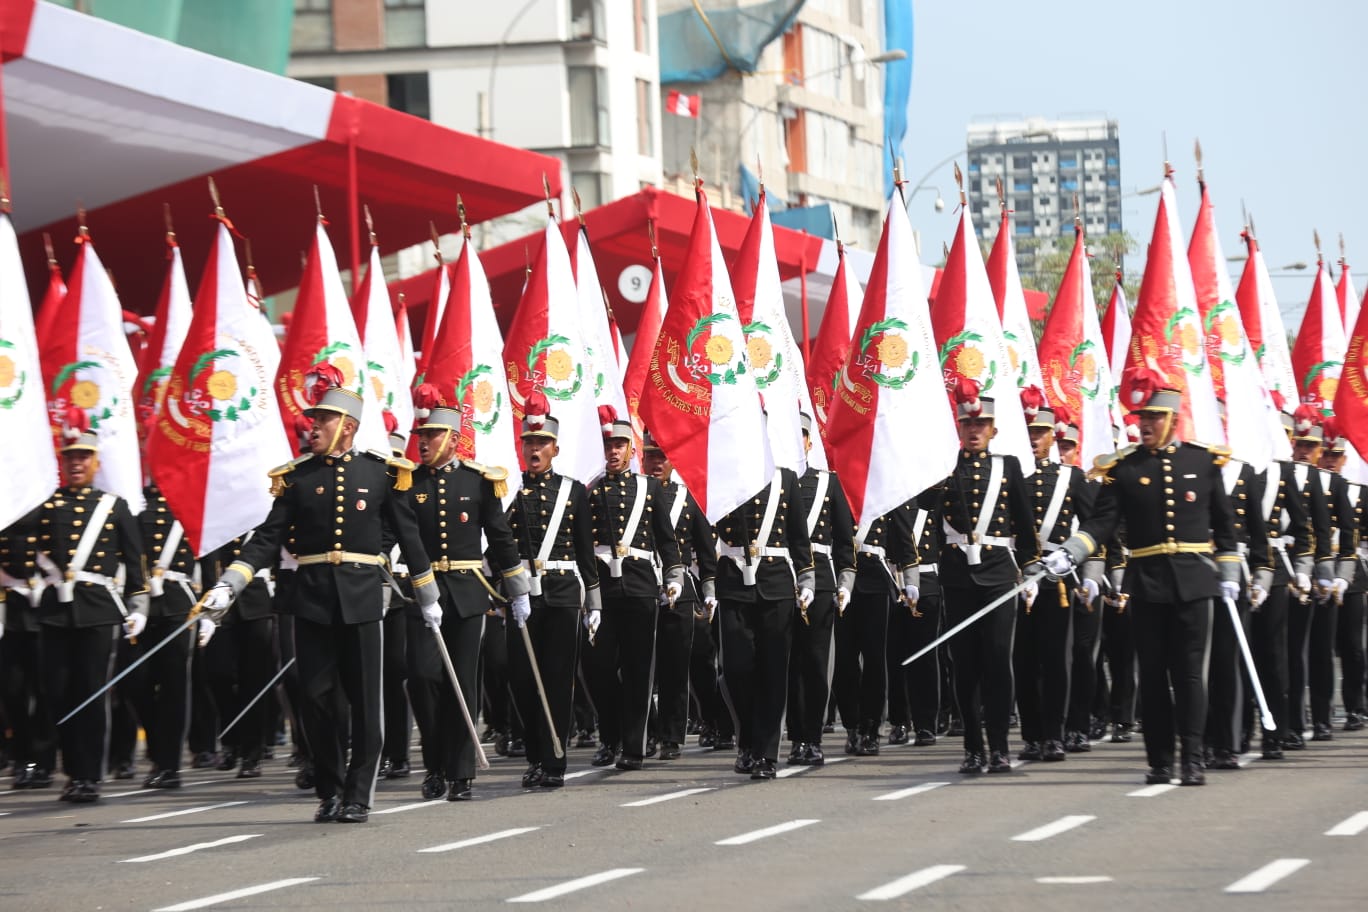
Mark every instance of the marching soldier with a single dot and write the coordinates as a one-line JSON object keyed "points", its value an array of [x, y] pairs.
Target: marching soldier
{"points": [[551, 521], [985, 515], [1331, 587], [832, 533], [84, 536], [1087, 612], [632, 532], [1172, 499], [914, 691], [1353, 569], [394, 760], [1307, 442], [33, 741], [330, 510]]}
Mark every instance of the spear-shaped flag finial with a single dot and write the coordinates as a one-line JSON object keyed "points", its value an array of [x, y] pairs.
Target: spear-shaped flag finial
{"points": [[436, 243], [1197, 151], [1315, 236], [318, 205], [170, 227], [650, 233], [461, 214], [82, 230], [370, 223], [959, 182], [546, 190], [579, 210]]}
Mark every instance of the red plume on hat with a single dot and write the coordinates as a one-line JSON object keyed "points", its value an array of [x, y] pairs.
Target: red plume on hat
{"points": [[321, 378], [1063, 420], [75, 422], [1132, 427], [1279, 400], [967, 395], [537, 409], [391, 422], [1304, 419], [1330, 428], [607, 415], [1032, 401], [1144, 382], [426, 398]]}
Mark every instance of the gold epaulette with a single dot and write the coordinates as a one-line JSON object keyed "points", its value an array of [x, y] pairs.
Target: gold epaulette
{"points": [[1219, 454], [1103, 464], [277, 475], [403, 468], [497, 475]]}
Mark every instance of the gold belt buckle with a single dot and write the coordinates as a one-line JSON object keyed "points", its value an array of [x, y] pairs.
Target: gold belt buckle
{"points": [[334, 557], [69, 576], [536, 564], [621, 550], [158, 571], [753, 549]]}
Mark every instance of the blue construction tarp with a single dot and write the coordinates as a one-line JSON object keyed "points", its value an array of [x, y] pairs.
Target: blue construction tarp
{"points": [[897, 81], [689, 53]]}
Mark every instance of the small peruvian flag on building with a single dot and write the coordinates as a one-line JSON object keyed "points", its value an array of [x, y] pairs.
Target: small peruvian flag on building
{"points": [[683, 105]]}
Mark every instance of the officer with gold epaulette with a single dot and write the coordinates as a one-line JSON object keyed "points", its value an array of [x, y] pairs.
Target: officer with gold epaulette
{"points": [[33, 740], [85, 536], [340, 509], [1178, 517]]}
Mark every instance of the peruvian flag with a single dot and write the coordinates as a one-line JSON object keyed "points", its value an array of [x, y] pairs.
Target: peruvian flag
{"points": [[972, 345], [643, 346], [1073, 358], [219, 430], [700, 400], [29, 468], [408, 363], [87, 363], [599, 342], [676, 102], [388, 385], [323, 330], [891, 431], [168, 333], [1351, 395], [1263, 324], [832, 346], [1167, 335], [1023, 359], [545, 352], [441, 290], [53, 296], [774, 356], [1253, 429], [1347, 295], [1318, 354], [1116, 335]]}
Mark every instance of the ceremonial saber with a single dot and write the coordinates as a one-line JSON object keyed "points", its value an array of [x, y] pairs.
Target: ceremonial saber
{"points": [[264, 691], [556, 748], [1265, 714], [481, 761], [977, 615]]}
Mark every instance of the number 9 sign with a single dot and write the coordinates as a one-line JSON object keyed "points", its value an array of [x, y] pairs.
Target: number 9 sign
{"points": [[634, 282]]}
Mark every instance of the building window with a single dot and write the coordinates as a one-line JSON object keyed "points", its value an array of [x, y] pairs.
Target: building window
{"points": [[588, 107], [312, 29], [795, 142], [405, 23], [589, 185], [586, 20], [1021, 161], [645, 122], [642, 25], [1068, 163], [408, 92]]}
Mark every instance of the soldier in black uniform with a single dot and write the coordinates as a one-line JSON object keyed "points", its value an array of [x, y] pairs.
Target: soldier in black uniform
{"points": [[84, 536], [634, 540], [1087, 611], [394, 760], [1307, 443], [1172, 499], [831, 531], [1331, 584], [1353, 569], [456, 501], [914, 691], [675, 623], [551, 521], [984, 511], [340, 510], [33, 740]]}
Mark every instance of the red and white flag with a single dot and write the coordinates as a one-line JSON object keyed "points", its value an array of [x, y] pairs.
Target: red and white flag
{"points": [[219, 430], [87, 363], [1116, 335], [891, 430], [387, 385], [1003, 276], [29, 467], [441, 290], [599, 344], [545, 352], [1166, 330], [700, 401], [773, 355], [676, 102], [643, 346], [832, 346], [1073, 358], [1351, 394], [408, 362], [1346, 294], [168, 333], [1318, 354], [1263, 324], [324, 330]]}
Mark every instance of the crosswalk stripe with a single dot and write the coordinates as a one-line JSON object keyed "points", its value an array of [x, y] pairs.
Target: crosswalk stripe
{"points": [[911, 882]]}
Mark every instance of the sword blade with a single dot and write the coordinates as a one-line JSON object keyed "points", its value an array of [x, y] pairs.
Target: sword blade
{"points": [[977, 615], [556, 748], [264, 691], [194, 617], [481, 760], [1265, 713]]}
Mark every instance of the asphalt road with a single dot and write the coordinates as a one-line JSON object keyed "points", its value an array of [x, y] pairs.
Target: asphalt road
{"points": [[897, 829]]}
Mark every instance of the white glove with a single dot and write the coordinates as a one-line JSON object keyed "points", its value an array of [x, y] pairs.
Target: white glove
{"points": [[1230, 590], [805, 597], [217, 600], [842, 600], [1090, 590], [1058, 563], [521, 606], [134, 625], [591, 622], [1030, 592], [1325, 585], [673, 591], [206, 630], [1257, 595], [1340, 587], [912, 593], [1303, 582], [432, 615], [710, 603]]}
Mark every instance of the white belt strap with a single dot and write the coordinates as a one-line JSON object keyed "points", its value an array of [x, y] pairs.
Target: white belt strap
{"points": [[156, 584], [918, 527], [677, 508], [1056, 504], [1230, 472], [534, 568], [973, 548], [66, 588], [821, 548], [1272, 482], [613, 556], [818, 498]]}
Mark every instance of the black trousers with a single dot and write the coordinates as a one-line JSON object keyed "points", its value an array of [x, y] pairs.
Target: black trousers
{"points": [[921, 679], [620, 666], [240, 659], [674, 646], [33, 739], [1298, 646], [398, 718], [1226, 693], [1118, 647], [1172, 642], [982, 656], [77, 661], [160, 689], [809, 657], [861, 675], [554, 632], [1320, 658], [1042, 658], [446, 743], [341, 660], [896, 649], [1349, 642], [500, 712], [121, 736], [755, 649], [712, 709], [1269, 623], [1087, 646]]}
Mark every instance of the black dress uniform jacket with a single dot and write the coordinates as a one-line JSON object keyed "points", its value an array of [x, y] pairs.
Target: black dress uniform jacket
{"points": [[775, 579], [255, 602], [169, 586], [833, 535], [19, 573], [529, 517], [1077, 504], [1246, 501], [958, 501], [611, 499], [894, 535], [1289, 520], [697, 543], [61, 525]]}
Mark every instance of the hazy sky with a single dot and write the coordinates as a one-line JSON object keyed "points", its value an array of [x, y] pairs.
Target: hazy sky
{"points": [[1277, 92]]}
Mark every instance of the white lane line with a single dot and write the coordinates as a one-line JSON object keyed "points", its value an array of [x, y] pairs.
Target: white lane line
{"points": [[1351, 826], [399, 809], [1269, 874], [478, 840], [589, 772], [798, 770], [669, 796], [186, 850], [912, 881], [4, 813], [134, 793], [1077, 879], [775, 830], [909, 792], [235, 894], [1062, 825], [1150, 791], [193, 810], [578, 883]]}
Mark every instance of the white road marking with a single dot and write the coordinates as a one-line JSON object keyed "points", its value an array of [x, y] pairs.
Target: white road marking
{"points": [[1078, 879], [911, 882], [1062, 825], [478, 840], [1269, 874], [909, 792], [1351, 826], [147, 791], [235, 894], [1150, 791], [399, 809], [796, 770], [755, 835], [578, 883], [589, 772], [1247, 758], [186, 850], [182, 813], [669, 796]]}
